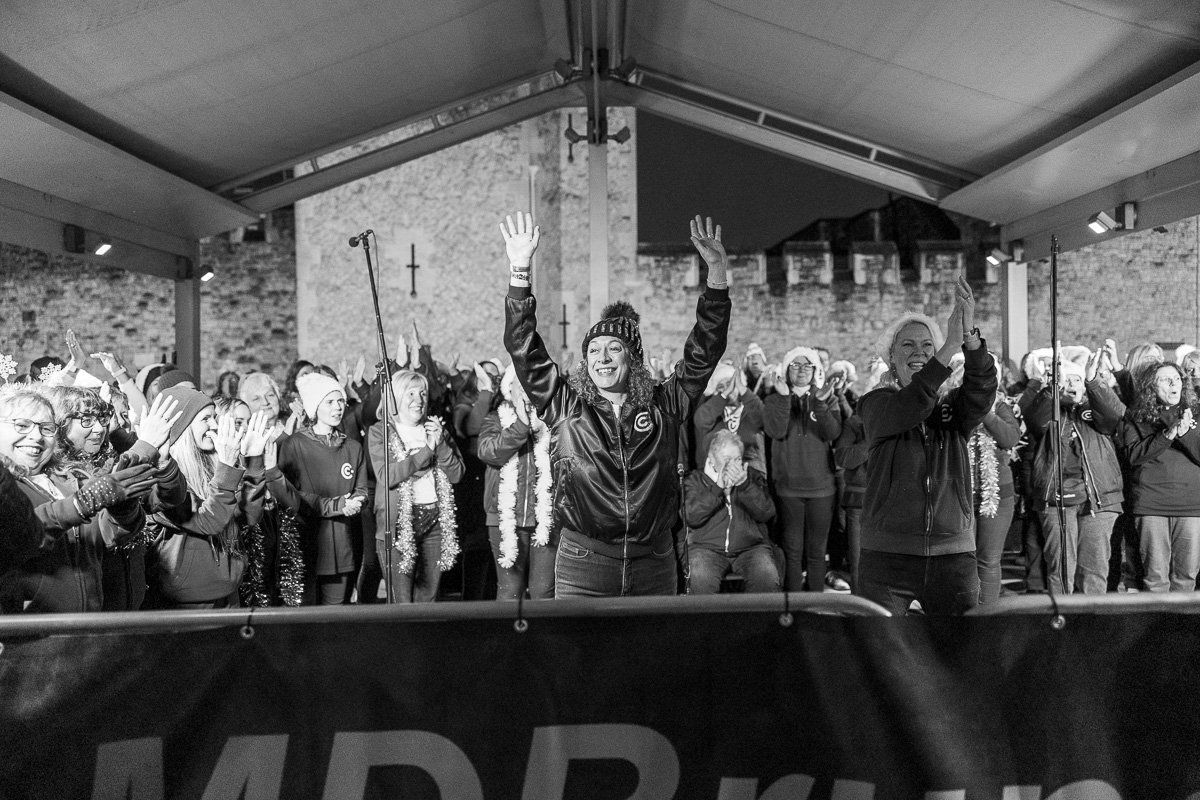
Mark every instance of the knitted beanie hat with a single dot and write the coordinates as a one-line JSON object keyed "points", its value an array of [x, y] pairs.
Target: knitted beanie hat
{"points": [[315, 387], [174, 378], [620, 321], [191, 403], [755, 350]]}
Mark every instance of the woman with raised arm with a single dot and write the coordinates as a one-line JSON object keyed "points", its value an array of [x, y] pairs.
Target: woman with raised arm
{"points": [[918, 529], [615, 440]]}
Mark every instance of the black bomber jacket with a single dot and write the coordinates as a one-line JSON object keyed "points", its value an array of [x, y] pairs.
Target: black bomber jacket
{"points": [[616, 481]]}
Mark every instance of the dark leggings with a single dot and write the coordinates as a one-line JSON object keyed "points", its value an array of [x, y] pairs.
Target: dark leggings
{"points": [[805, 522], [990, 533]]}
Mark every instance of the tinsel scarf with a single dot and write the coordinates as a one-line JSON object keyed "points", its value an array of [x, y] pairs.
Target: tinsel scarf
{"points": [[290, 560], [507, 490], [985, 470], [406, 540]]}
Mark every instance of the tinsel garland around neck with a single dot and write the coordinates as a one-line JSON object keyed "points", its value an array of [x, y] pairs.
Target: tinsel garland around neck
{"points": [[507, 490], [290, 578], [985, 471], [406, 540]]}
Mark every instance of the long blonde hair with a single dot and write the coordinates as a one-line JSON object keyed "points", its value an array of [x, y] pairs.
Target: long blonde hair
{"points": [[197, 466]]}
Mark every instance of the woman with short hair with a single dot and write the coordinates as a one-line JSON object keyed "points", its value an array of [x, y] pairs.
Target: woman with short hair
{"points": [[417, 464]]}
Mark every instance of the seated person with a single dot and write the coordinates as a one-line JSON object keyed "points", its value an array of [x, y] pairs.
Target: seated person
{"points": [[726, 508]]}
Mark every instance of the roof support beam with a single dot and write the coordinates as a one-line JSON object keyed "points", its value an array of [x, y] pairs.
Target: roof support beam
{"points": [[440, 137], [34, 219], [769, 130]]}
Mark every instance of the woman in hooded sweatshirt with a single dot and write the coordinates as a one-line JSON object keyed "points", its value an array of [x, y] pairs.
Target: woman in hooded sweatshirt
{"points": [[803, 419], [329, 471], [515, 445], [417, 464], [1160, 443], [196, 559]]}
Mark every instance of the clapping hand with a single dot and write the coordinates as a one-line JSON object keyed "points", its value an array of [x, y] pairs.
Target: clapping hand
{"points": [[254, 441], [772, 375], [110, 362], [228, 441], [155, 428], [483, 380], [1186, 423], [74, 348], [297, 408], [271, 448], [434, 433]]}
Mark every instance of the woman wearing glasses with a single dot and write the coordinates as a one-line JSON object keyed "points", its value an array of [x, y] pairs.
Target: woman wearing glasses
{"points": [[80, 512], [1161, 445], [803, 420]]}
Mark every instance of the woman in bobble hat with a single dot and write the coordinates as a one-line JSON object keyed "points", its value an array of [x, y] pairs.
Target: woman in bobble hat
{"points": [[329, 474], [615, 445]]}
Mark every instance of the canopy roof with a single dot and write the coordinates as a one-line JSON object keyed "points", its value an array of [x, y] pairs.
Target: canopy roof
{"points": [[160, 121]]}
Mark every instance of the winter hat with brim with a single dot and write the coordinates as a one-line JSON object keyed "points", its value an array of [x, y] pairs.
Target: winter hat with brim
{"points": [[315, 387], [807, 353], [1071, 368], [755, 350], [723, 372], [619, 321], [191, 403], [174, 378]]}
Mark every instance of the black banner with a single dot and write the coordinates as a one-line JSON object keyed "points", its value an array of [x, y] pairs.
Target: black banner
{"points": [[716, 706]]}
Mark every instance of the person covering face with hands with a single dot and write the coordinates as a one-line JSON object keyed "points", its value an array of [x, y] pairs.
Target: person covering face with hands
{"points": [[616, 430], [917, 527]]}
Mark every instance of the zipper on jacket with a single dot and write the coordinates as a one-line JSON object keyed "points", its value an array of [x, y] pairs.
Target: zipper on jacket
{"points": [[728, 520], [1089, 480], [928, 487]]}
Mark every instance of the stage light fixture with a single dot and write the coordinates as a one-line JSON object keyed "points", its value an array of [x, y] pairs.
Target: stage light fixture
{"points": [[1102, 222], [622, 136], [73, 239], [623, 70], [103, 247], [565, 69], [207, 275], [998, 257]]}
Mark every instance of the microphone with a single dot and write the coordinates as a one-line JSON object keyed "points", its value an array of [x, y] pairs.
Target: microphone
{"points": [[354, 240]]}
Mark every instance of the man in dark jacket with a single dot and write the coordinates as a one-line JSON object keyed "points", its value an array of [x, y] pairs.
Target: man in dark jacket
{"points": [[1092, 484], [615, 444], [918, 534], [726, 506]]}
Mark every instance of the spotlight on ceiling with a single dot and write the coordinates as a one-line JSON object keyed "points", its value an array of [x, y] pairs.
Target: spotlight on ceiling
{"points": [[565, 69], [622, 136], [103, 247], [998, 257], [1015, 252], [1123, 218], [207, 275]]}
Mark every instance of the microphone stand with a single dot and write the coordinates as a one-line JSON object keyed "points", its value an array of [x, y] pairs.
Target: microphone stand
{"points": [[1056, 418], [389, 408]]}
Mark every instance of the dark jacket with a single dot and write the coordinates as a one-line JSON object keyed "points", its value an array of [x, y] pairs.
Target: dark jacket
{"points": [[1164, 474], [65, 572], [850, 454], [1091, 468], [615, 480], [804, 430], [322, 471], [727, 525], [497, 445], [1004, 426], [918, 495], [198, 532]]}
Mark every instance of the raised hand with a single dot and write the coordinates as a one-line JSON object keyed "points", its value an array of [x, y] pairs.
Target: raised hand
{"points": [[521, 239], [360, 369], [254, 440], [271, 448], [155, 427], [297, 408], [74, 348], [1093, 365], [482, 379], [965, 299], [228, 441], [707, 240], [774, 378], [111, 363]]}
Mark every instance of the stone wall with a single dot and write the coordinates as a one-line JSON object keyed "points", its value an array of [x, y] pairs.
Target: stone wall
{"points": [[447, 206], [248, 312]]}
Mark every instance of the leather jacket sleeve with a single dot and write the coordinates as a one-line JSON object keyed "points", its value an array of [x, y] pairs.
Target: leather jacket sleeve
{"points": [[975, 398], [497, 444], [701, 353]]}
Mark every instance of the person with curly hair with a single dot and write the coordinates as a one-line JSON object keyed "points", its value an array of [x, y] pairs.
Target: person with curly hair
{"points": [[615, 447], [1159, 442]]}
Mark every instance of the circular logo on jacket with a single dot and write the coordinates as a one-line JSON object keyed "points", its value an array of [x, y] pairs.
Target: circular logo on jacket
{"points": [[1087, 415], [947, 413], [812, 415], [641, 423], [347, 471]]}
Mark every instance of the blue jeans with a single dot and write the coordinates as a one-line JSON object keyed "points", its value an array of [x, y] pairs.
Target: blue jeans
{"points": [[1170, 549], [943, 584], [421, 585], [756, 566], [533, 569], [1088, 549], [580, 572]]}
